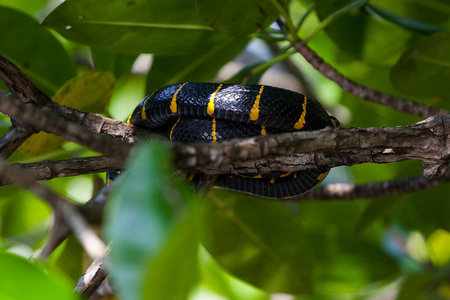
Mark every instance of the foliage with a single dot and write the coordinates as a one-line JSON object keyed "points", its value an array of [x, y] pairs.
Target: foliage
{"points": [[249, 247]]}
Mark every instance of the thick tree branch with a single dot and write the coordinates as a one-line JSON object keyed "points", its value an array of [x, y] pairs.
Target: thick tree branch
{"points": [[49, 122], [426, 141], [363, 92]]}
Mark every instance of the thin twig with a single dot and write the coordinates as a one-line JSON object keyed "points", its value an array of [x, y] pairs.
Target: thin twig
{"points": [[346, 191], [94, 276], [59, 232], [19, 84], [363, 92]]}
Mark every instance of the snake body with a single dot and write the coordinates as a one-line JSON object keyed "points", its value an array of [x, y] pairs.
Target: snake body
{"points": [[212, 112]]}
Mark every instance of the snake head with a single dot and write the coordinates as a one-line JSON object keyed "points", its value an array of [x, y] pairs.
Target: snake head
{"points": [[334, 122]]}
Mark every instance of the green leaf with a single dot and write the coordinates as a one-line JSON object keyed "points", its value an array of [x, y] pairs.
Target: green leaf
{"points": [[22, 279], [90, 92], [424, 211], [118, 64], [145, 217], [258, 241], [433, 12], [192, 67], [237, 18], [424, 69], [343, 265], [30, 7], [379, 43], [221, 282], [34, 50], [173, 273], [407, 23], [136, 26], [377, 209]]}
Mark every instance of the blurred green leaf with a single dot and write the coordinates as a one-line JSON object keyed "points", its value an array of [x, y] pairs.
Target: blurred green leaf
{"points": [[344, 265], [22, 279], [90, 92], [424, 211], [378, 208], [118, 64], [141, 216], [70, 260], [424, 69], [160, 27], [34, 50], [258, 241], [237, 18], [192, 67], [402, 21], [22, 216], [174, 272], [218, 280], [379, 43]]}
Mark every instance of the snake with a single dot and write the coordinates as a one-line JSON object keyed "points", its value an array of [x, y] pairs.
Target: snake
{"points": [[201, 112]]}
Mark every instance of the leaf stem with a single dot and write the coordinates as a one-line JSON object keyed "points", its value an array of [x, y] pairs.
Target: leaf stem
{"points": [[285, 14]]}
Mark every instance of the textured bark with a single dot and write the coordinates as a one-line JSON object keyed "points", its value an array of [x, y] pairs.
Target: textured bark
{"points": [[48, 169], [426, 141]]}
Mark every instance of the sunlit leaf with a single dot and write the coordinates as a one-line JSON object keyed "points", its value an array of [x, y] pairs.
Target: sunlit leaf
{"points": [[30, 7], [22, 279], [439, 247], [34, 50], [218, 280], [159, 27], [90, 92]]}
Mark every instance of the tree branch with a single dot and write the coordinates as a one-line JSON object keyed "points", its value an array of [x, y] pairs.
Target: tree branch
{"points": [[19, 84], [426, 141], [94, 276], [346, 191], [363, 92], [49, 122], [48, 169]]}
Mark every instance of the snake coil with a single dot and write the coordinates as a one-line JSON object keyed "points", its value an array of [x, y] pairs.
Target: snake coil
{"points": [[211, 112]]}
